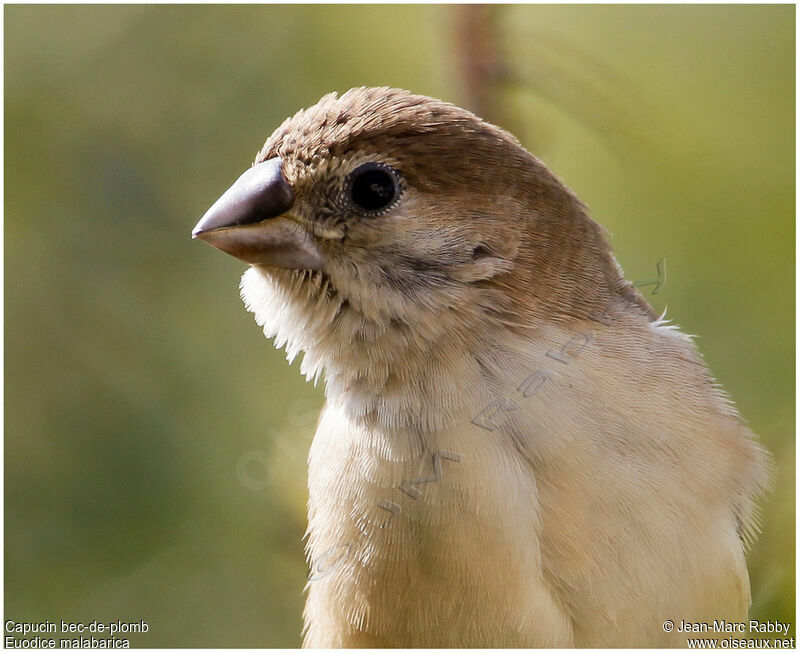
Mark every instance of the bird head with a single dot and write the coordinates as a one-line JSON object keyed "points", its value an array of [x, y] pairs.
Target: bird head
{"points": [[390, 220]]}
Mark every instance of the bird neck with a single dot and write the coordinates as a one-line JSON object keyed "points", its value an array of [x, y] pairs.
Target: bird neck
{"points": [[428, 372], [405, 378]]}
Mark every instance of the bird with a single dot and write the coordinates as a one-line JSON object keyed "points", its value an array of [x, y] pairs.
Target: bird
{"points": [[514, 450]]}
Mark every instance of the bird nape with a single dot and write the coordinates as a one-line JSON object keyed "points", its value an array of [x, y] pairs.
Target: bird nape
{"points": [[514, 450]]}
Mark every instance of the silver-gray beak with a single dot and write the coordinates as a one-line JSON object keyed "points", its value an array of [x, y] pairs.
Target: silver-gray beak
{"points": [[248, 222]]}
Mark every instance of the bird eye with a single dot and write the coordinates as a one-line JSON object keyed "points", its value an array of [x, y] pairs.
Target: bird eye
{"points": [[373, 187]]}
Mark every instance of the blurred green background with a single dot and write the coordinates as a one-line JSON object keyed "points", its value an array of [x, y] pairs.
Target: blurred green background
{"points": [[155, 442]]}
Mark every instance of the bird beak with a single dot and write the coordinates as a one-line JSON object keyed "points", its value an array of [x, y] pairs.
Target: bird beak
{"points": [[248, 221]]}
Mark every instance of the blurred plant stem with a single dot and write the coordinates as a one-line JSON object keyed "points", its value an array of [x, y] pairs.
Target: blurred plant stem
{"points": [[495, 81], [483, 67]]}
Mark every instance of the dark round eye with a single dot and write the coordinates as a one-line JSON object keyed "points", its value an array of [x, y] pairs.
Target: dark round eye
{"points": [[373, 186]]}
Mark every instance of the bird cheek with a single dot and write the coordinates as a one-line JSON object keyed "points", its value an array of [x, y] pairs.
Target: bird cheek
{"points": [[483, 269]]}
